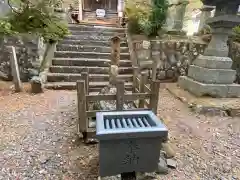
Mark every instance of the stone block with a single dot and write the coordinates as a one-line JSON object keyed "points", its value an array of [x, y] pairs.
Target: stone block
{"points": [[209, 76], [130, 141], [234, 90], [213, 90], [36, 85], [213, 62]]}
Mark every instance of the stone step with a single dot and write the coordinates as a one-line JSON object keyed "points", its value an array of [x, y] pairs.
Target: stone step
{"points": [[90, 42], [75, 54], [211, 76], [72, 77], [213, 90], [75, 27], [87, 62], [93, 37], [94, 86], [93, 70], [84, 48], [213, 62], [100, 32]]}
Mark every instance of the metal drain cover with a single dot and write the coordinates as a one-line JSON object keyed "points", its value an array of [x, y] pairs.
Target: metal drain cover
{"points": [[126, 124]]}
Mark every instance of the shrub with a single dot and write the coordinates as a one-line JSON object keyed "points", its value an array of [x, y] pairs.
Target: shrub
{"points": [[6, 28], [35, 18], [236, 31], [136, 11], [146, 16]]}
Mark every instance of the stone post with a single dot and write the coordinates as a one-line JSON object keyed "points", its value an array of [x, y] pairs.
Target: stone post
{"points": [[211, 73], [4, 8], [206, 14], [179, 16], [170, 14]]}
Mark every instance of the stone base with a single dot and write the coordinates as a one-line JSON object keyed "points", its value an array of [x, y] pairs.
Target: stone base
{"points": [[206, 105], [211, 76], [213, 90]]}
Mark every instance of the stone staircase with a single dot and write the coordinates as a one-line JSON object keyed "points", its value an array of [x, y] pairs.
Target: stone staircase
{"points": [[88, 47]]}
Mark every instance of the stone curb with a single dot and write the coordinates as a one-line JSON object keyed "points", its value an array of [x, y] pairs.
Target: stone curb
{"points": [[209, 110]]}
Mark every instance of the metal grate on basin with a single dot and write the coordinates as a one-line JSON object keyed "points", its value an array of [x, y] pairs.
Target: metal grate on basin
{"points": [[130, 121]]}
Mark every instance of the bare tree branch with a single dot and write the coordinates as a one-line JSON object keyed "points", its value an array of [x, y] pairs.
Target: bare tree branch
{"points": [[13, 9]]}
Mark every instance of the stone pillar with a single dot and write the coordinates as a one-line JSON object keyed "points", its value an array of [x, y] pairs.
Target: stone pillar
{"points": [[170, 16], [179, 16], [206, 14], [211, 73], [80, 10]]}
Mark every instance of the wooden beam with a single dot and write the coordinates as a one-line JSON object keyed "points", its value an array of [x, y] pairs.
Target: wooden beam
{"points": [[136, 96], [100, 97]]}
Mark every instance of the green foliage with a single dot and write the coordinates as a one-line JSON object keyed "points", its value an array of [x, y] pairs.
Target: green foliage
{"points": [[6, 28], [146, 17], [157, 17], [35, 17], [205, 30], [236, 31], [55, 31], [137, 12]]}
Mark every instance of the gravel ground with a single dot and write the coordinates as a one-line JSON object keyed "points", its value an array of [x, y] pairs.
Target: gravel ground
{"points": [[39, 141]]}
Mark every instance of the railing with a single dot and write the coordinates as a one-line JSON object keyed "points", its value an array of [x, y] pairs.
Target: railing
{"points": [[147, 95]]}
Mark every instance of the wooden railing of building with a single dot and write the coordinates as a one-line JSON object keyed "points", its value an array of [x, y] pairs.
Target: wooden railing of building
{"points": [[145, 92]]}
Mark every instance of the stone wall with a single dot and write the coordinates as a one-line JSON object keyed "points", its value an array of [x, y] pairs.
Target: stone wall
{"points": [[30, 51], [174, 55]]}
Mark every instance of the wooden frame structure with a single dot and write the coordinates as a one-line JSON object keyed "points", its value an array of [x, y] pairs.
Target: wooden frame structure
{"points": [[142, 90]]}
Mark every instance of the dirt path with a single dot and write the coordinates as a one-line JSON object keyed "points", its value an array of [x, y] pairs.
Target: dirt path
{"points": [[38, 140]]}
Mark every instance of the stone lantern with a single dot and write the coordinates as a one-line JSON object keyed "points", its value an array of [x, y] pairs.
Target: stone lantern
{"points": [[211, 73]]}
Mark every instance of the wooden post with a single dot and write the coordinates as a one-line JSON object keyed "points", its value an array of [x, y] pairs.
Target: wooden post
{"points": [[115, 53], [155, 57], [135, 75], [15, 69], [132, 50], [143, 81], [155, 85], [120, 95], [82, 114], [85, 76], [115, 59]]}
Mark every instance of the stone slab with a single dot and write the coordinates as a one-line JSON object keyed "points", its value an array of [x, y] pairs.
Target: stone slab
{"points": [[213, 62], [209, 76], [206, 105], [212, 90]]}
